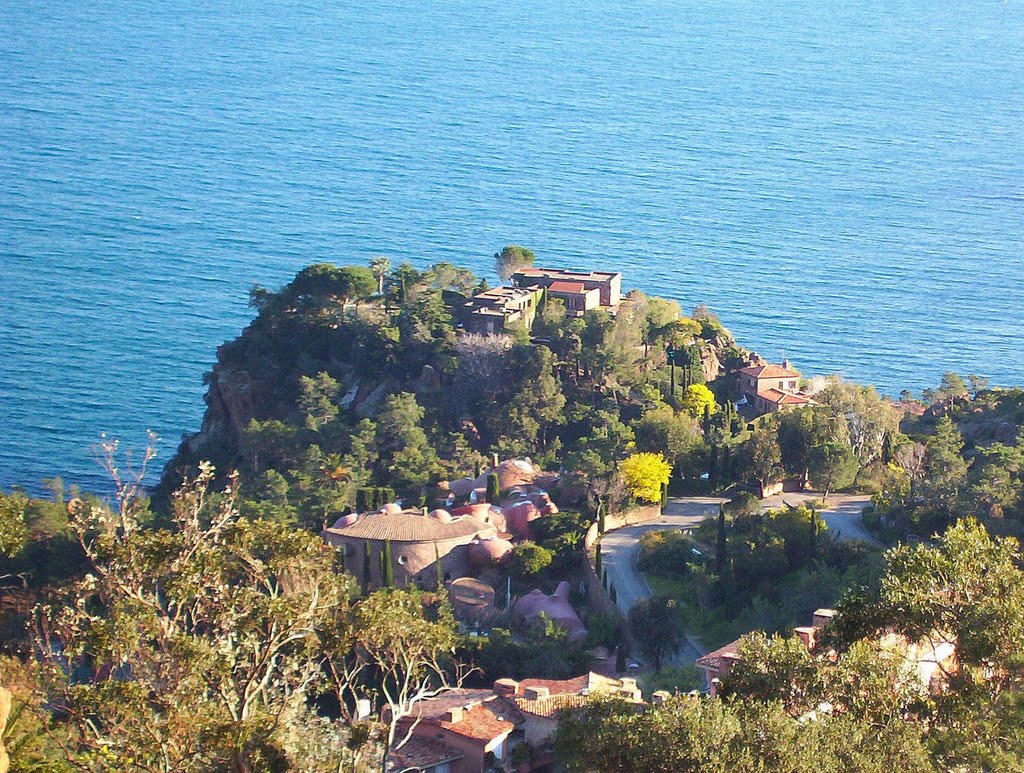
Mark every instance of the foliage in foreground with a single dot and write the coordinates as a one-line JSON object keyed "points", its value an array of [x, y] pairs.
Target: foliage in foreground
{"points": [[854, 702]]}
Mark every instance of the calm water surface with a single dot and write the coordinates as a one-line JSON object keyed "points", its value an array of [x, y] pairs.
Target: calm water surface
{"points": [[841, 181]]}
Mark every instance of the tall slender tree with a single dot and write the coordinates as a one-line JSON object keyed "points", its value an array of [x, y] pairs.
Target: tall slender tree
{"points": [[367, 575], [387, 568]]}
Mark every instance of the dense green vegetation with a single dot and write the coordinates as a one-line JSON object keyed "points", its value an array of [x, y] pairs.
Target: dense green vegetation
{"points": [[853, 702], [964, 453], [350, 379], [207, 629], [753, 570]]}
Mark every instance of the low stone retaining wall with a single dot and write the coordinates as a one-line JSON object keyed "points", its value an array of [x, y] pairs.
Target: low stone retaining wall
{"points": [[630, 517]]}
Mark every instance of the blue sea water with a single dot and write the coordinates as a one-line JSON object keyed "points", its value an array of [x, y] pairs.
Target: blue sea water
{"points": [[843, 182]]}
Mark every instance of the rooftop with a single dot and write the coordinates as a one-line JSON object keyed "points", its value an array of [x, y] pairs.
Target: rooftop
{"points": [[421, 753], [785, 398], [716, 658], [561, 286], [409, 526], [768, 371], [568, 274], [485, 721]]}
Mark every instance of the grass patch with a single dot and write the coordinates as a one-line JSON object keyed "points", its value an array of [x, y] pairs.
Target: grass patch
{"points": [[713, 630]]}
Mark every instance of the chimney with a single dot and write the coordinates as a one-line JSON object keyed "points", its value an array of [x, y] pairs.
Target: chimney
{"points": [[660, 697], [494, 461], [453, 715], [822, 617], [785, 363], [806, 634], [536, 693], [506, 688]]}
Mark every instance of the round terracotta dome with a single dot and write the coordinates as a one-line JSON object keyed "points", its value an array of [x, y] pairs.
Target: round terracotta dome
{"points": [[346, 520], [485, 552], [391, 508], [441, 515]]}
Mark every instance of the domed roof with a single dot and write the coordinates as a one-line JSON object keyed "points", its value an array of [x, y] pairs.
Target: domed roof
{"points": [[346, 520], [483, 552], [441, 515], [391, 508]]}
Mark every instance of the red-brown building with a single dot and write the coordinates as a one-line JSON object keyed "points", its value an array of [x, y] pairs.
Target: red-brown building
{"points": [[466, 731], [575, 286], [772, 388]]}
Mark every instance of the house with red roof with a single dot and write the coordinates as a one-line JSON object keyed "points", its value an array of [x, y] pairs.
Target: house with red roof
{"points": [[772, 388], [471, 730], [581, 290]]}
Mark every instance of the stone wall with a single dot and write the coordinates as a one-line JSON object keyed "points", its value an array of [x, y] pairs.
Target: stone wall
{"points": [[634, 515]]}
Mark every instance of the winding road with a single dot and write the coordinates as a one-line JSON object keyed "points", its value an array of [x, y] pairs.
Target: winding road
{"points": [[620, 549]]}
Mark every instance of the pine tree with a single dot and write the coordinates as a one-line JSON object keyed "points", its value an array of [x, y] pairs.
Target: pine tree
{"points": [[387, 572], [367, 576]]}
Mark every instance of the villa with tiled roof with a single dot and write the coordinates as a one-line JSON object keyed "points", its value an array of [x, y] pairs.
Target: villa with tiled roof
{"points": [[575, 287], [771, 388], [418, 540], [455, 732]]}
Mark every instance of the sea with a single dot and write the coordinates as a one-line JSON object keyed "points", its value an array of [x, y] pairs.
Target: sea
{"points": [[842, 181]]}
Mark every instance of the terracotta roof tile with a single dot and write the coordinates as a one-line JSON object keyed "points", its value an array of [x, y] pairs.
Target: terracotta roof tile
{"points": [[409, 526], [548, 707], [779, 397], [420, 752], [561, 286], [714, 659], [768, 371], [486, 721]]}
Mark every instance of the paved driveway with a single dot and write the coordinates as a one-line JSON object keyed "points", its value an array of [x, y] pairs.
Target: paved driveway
{"points": [[843, 514], [620, 549]]}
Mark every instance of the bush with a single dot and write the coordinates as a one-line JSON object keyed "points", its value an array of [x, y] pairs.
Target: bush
{"points": [[603, 630], [666, 552], [743, 505], [528, 560]]}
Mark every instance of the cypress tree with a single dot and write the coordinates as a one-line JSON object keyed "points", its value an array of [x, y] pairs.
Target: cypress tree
{"points": [[707, 418], [604, 580], [438, 567], [664, 495], [600, 518], [367, 576], [476, 470], [597, 559], [722, 546], [387, 569], [814, 531], [613, 594], [620, 659], [493, 488]]}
